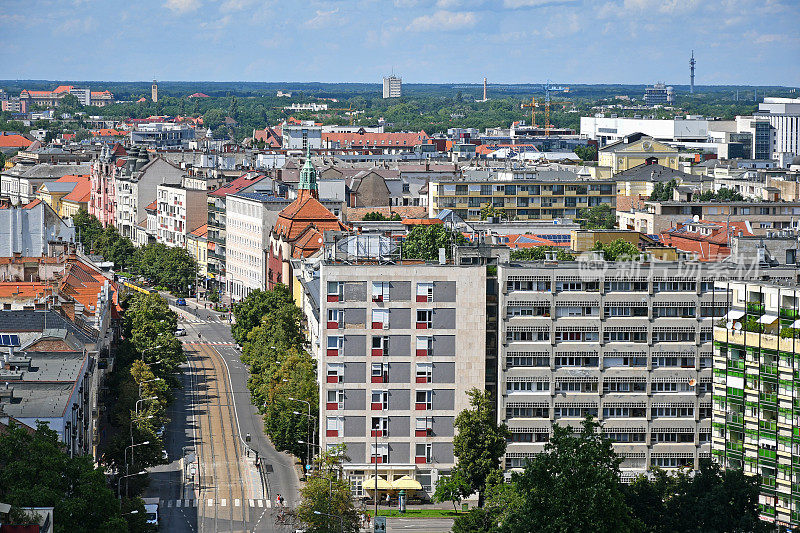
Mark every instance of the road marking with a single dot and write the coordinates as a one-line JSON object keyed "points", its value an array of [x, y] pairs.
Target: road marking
{"points": [[252, 503], [260, 503], [211, 502], [169, 503], [178, 503], [268, 502], [223, 502], [237, 502]]}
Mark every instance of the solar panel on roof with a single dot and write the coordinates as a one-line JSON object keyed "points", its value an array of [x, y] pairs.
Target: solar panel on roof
{"points": [[9, 340]]}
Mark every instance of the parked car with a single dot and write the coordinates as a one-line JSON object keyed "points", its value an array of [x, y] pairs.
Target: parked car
{"points": [[180, 332], [180, 301], [151, 510]]}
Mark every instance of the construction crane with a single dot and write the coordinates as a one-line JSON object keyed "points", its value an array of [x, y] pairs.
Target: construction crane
{"points": [[547, 102], [533, 105], [348, 109]]}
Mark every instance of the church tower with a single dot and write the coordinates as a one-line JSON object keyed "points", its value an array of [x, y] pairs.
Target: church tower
{"points": [[308, 178], [154, 91]]}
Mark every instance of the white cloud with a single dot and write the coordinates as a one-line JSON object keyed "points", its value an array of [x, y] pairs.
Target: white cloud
{"points": [[661, 6], [182, 6], [236, 5], [323, 19], [79, 25], [516, 4], [444, 21]]}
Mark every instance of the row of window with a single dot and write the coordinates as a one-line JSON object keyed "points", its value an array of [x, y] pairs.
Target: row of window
{"points": [[610, 286], [381, 291], [513, 387], [380, 345], [608, 412], [661, 462], [609, 361], [379, 426], [623, 437], [609, 336]]}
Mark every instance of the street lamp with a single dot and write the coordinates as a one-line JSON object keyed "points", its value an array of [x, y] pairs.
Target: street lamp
{"points": [[313, 419], [119, 482], [144, 400], [131, 429], [310, 430], [147, 381], [341, 520]]}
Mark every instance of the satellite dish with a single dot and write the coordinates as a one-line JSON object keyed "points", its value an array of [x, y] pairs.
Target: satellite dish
{"points": [[729, 325], [692, 382], [737, 326]]}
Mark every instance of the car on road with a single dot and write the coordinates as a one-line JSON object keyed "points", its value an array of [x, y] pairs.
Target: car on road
{"points": [[180, 301], [180, 332], [151, 510]]}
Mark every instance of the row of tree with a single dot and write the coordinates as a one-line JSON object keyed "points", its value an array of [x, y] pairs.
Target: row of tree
{"points": [[282, 373], [616, 250], [163, 266]]}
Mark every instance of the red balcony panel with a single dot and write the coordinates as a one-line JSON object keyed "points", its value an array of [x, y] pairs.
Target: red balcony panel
{"points": [[332, 433], [333, 325], [421, 433], [421, 406], [377, 433], [377, 298], [378, 460], [422, 298], [377, 406], [422, 379], [377, 325], [422, 325], [422, 353], [377, 379], [333, 297], [333, 352], [332, 406], [333, 379], [377, 352], [420, 460]]}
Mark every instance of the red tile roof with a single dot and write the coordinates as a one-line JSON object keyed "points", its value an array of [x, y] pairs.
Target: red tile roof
{"points": [[81, 193], [710, 247], [237, 185], [152, 206], [199, 95], [376, 139], [307, 243], [303, 212], [201, 231], [13, 140]]}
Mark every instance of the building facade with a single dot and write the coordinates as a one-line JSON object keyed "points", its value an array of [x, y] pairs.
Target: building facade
{"points": [[398, 348], [784, 117], [392, 87], [180, 211], [755, 424]]}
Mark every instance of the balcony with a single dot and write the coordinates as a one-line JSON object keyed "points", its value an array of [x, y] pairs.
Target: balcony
{"points": [[332, 406], [755, 307], [423, 432], [768, 425], [791, 314], [734, 446]]}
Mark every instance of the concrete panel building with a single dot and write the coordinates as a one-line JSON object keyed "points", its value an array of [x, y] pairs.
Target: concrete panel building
{"points": [[180, 211]]}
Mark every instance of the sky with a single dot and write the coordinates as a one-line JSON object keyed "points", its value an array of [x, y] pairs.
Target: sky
{"points": [[424, 41]]}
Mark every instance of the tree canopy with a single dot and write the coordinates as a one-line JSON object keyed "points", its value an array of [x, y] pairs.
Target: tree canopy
{"points": [[539, 253], [663, 191], [618, 250], [327, 504], [598, 217], [722, 195], [423, 242], [586, 153]]}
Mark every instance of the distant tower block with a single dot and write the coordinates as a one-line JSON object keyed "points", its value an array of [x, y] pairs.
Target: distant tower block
{"points": [[154, 91], [484, 88], [691, 73]]}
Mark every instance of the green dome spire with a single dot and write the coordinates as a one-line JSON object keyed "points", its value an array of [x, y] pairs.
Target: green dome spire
{"points": [[308, 175]]}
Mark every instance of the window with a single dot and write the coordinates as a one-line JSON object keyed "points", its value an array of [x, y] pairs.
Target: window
{"points": [[576, 360], [672, 462], [334, 426], [335, 291], [335, 345], [527, 412], [424, 318], [636, 386], [424, 372], [335, 400], [380, 373], [569, 286], [527, 336], [541, 310], [424, 346], [380, 426], [576, 336], [335, 318], [379, 454], [380, 291], [380, 400], [513, 361], [624, 412], [380, 345], [671, 311], [672, 412], [380, 319], [423, 453], [529, 437], [576, 386], [527, 386], [424, 292], [656, 438], [535, 286], [673, 361], [625, 336], [672, 386], [624, 437], [574, 412], [424, 400], [424, 427]]}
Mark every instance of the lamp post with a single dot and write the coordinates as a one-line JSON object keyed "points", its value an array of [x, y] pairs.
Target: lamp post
{"points": [[310, 431], [341, 520], [131, 430], [144, 400], [147, 381], [313, 419], [119, 482]]}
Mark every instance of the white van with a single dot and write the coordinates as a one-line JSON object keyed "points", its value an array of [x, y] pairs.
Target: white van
{"points": [[151, 510]]}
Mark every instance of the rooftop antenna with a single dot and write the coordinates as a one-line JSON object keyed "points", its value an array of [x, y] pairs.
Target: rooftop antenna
{"points": [[691, 70]]}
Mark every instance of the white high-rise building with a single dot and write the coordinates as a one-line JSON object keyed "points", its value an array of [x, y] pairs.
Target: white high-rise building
{"points": [[392, 87], [784, 117]]}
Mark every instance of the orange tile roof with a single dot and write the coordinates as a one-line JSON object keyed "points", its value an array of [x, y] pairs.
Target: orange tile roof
{"points": [[63, 89], [73, 178], [422, 221], [23, 290], [32, 204], [151, 206], [81, 193], [307, 243], [303, 212], [202, 231], [14, 141], [377, 139], [236, 185]]}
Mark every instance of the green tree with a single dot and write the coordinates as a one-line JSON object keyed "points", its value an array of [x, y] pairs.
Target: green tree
{"points": [[722, 195], [327, 505], [572, 485], [451, 489], [617, 250], [82, 135], [598, 217], [489, 210], [709, 500], [663, 191], [423, 242], [586, 153], [274, 311], [503, 501], [479, 443], [214, 118], [36, 471], [538, 253], [87, 227]]}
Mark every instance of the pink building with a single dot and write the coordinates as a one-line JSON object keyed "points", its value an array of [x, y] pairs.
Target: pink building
{"points": [[105, 168]]}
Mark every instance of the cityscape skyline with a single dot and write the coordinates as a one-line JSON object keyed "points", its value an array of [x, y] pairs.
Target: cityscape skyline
{"points": [[510, 41]]}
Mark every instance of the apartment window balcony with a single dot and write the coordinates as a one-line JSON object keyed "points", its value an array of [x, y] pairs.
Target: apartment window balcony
{"points": [[333, 406]]}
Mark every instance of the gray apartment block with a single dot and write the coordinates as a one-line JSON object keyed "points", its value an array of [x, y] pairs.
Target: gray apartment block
{"points": [[631, 346], [398, 347]]}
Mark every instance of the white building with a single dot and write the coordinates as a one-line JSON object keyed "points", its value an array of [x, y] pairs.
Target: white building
{"points": [[313, 106], [301, 137], [392, 87], [606, 130], [180, 211], [784, 117]]}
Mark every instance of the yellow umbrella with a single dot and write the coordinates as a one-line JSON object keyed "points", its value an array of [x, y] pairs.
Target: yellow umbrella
{"points": [[406, 483], [369, 484]]}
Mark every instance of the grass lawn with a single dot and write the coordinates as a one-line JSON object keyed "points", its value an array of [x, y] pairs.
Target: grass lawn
{"points": [[417, 513]]}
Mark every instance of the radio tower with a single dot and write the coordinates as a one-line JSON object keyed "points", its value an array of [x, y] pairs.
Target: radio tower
{"points": [[691, 70]]}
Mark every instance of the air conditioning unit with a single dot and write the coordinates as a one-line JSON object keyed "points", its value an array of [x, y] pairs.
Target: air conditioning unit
{"points": [[385, 325]]}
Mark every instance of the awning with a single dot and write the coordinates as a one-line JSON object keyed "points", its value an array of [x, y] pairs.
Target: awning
{"points": [[795, 324], [406, 483], [767, 319], [734, 314], [369, 484]]}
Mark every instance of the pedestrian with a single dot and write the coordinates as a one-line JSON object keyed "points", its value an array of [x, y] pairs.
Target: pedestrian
{"points": [[278, 500], [367, 518]]}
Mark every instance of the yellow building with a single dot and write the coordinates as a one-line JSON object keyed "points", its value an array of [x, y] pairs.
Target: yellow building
{"points": [[197, 246], [636, 149], [69, 187]]}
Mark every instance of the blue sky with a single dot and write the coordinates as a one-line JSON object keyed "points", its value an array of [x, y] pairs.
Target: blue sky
{"points": [[424, 41]]}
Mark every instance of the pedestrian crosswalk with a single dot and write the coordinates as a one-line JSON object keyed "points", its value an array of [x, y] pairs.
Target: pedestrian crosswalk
{"points": [[211, 502], [196, 320]]}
